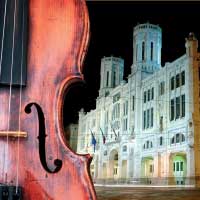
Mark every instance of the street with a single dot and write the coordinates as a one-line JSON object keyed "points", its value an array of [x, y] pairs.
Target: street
{"points": [[130, 193]]}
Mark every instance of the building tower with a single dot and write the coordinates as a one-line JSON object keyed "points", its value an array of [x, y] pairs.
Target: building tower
{"points": [[147, 44], [112, 71]]}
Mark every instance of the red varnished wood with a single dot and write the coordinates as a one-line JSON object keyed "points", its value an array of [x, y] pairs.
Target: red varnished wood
{"points": [[58, 38]]}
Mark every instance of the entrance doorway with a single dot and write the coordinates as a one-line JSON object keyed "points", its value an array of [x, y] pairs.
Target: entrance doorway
{"points": [[179, 168], [113, 164], [147, 169]]}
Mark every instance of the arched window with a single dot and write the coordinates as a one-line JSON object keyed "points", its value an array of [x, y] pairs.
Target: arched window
{"points": [[178, 138], [124, 149], [143, 50], [148, 144], [151, 51]]}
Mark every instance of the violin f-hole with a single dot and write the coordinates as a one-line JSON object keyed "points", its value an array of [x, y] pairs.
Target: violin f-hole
{"points": [[41, 137]]}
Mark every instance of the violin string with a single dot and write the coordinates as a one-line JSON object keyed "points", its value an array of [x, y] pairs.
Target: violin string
{"points": [[20, 100], [3, 35], [10, 93], [1, 55]]}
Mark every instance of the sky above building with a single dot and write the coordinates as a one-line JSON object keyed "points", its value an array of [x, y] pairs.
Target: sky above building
{"points": [[111, 28]]}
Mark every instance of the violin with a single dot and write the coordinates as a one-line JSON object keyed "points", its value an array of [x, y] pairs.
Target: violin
{"points": [[42, 49]]}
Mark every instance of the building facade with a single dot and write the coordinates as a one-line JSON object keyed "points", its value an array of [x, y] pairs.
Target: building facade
{"points": [[151, 121]]}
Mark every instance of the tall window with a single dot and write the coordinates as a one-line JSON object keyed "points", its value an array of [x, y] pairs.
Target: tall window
{"points": [[147, 144], [143, 50], [177, 107], [148, 115], [151, 117], [148, 95], [183, 105], [162, 88], [114, 79], [177, 166], [177, 80], [144, 119], [107, 79], [152, 93], [183, 78], [172, 110], [145, 97], [172, 82], [161, 141], [133, 103], [151, 51], [181, 166], [161, 123], [177, 138]]}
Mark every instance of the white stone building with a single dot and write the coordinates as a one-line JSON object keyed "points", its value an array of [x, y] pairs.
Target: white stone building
{"points": [[151, 122]]}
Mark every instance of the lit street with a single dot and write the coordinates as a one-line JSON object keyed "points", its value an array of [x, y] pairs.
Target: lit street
{"points": [[130, 193]]}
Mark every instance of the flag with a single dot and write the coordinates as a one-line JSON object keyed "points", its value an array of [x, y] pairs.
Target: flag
{"points": [[93, 142], [103, 136], [113, 131]]}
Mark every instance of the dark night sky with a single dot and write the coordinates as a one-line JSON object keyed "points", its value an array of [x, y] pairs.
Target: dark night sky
{"points": [[112, 34]]}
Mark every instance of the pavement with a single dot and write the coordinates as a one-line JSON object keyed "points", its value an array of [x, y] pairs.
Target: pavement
{"points": [[140, 192]]}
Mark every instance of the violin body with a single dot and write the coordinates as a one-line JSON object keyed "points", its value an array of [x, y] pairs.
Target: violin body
{"points": [[37, 156]]}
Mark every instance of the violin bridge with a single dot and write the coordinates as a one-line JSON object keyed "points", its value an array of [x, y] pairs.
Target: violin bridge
{"points": [[20, 134]]}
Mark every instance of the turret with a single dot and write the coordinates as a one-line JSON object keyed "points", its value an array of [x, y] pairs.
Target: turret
{"points": [[147, 44], [191, 45], [112, 70]]}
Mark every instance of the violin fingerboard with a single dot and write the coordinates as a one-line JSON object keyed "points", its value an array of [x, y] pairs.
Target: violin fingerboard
{"points": [[13, 41]]}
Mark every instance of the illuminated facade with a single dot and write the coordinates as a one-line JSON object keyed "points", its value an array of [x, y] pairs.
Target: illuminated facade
{"points": [[151, 122]]}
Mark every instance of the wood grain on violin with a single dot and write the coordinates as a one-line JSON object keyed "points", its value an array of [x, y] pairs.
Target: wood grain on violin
{"points": [[33, 151]]}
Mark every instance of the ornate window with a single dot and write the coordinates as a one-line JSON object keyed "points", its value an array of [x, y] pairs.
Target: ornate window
{"points": [[178, 138]]}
